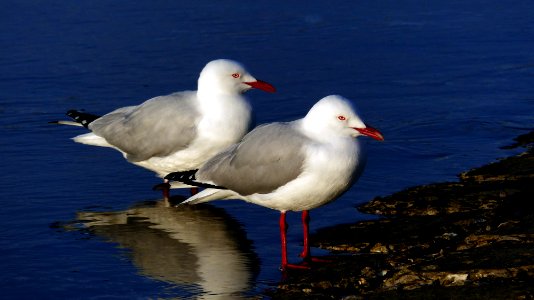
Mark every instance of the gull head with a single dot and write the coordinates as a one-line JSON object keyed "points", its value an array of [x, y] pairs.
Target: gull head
{"points": [[335, 115], [229, 77]]}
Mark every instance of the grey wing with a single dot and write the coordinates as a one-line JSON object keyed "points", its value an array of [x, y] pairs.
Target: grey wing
{"points": [[267, 158], [158, 127]]}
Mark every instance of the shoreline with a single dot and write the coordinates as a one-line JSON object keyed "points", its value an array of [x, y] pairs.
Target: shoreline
{"points": [[469, 239]]}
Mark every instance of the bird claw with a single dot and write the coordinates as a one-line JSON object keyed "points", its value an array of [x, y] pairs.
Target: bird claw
{"points": [[317, 260], [301, 266], [305, 264], [309, 259]]}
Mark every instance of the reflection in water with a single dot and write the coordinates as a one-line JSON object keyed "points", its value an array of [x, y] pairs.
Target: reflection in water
{"points": [[192, 246]]}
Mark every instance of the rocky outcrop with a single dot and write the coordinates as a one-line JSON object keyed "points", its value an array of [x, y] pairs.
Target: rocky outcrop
{"points": [[471, 239]]}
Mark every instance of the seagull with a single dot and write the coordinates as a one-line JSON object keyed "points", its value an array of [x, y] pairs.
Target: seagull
{"points": [[290, 166], [179, 131]]}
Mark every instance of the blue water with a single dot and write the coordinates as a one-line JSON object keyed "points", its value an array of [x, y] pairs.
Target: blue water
{"points": [[447, 83]]}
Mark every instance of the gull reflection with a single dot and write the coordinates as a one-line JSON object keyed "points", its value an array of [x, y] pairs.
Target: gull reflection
{"points": [[199, 246]]}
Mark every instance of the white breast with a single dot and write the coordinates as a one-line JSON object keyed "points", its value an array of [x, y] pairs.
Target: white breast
{"points": [[329, 170], [224, 122]]}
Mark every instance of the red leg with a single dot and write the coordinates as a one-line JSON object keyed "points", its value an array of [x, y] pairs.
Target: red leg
{"points": [[166, 190], [283, 231], [306, 231], [306, 253]]}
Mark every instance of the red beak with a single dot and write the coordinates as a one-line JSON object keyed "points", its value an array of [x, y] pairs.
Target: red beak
{"points": [[371, 132], [262, 85]]}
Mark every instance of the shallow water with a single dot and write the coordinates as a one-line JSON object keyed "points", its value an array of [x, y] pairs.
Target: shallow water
{"points": [[447, 84]]}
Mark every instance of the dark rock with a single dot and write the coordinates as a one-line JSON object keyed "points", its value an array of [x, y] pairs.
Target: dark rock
{"points": [[471, 239]]}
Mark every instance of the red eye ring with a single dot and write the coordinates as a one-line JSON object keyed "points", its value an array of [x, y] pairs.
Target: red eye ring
{"points": [[341, 118], [236, 75]]}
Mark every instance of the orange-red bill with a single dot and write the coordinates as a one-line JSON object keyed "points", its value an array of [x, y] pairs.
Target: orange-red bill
{"points": [[262, 85], [371, 132]]}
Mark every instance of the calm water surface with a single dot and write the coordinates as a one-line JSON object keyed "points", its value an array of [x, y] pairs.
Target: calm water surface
{"points": [[447, 84]]}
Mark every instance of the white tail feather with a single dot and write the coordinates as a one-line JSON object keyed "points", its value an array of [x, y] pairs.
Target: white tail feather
{"points": [[70, 123], [209, 195], [91, 139]]}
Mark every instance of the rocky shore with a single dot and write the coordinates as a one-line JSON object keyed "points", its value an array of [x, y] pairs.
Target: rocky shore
{"points": [[470, 239]]}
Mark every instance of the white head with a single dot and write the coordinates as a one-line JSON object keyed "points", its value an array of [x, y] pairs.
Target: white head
{"points": [[335, 115], [223, 76]]}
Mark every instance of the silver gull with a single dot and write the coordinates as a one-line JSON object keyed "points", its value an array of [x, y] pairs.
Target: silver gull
{"points": [[293, 166], [182, 130]]}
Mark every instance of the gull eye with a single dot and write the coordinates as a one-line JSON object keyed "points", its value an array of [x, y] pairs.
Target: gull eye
{"points": [[341, 118], [236, 75]]}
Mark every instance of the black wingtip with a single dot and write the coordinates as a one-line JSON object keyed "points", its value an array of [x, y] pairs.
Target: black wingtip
{"points": [[188, 177], [81, 117], [185, 176]]}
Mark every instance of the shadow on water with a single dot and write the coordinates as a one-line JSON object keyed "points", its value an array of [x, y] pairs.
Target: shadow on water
{"points": [[198, 248]]}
